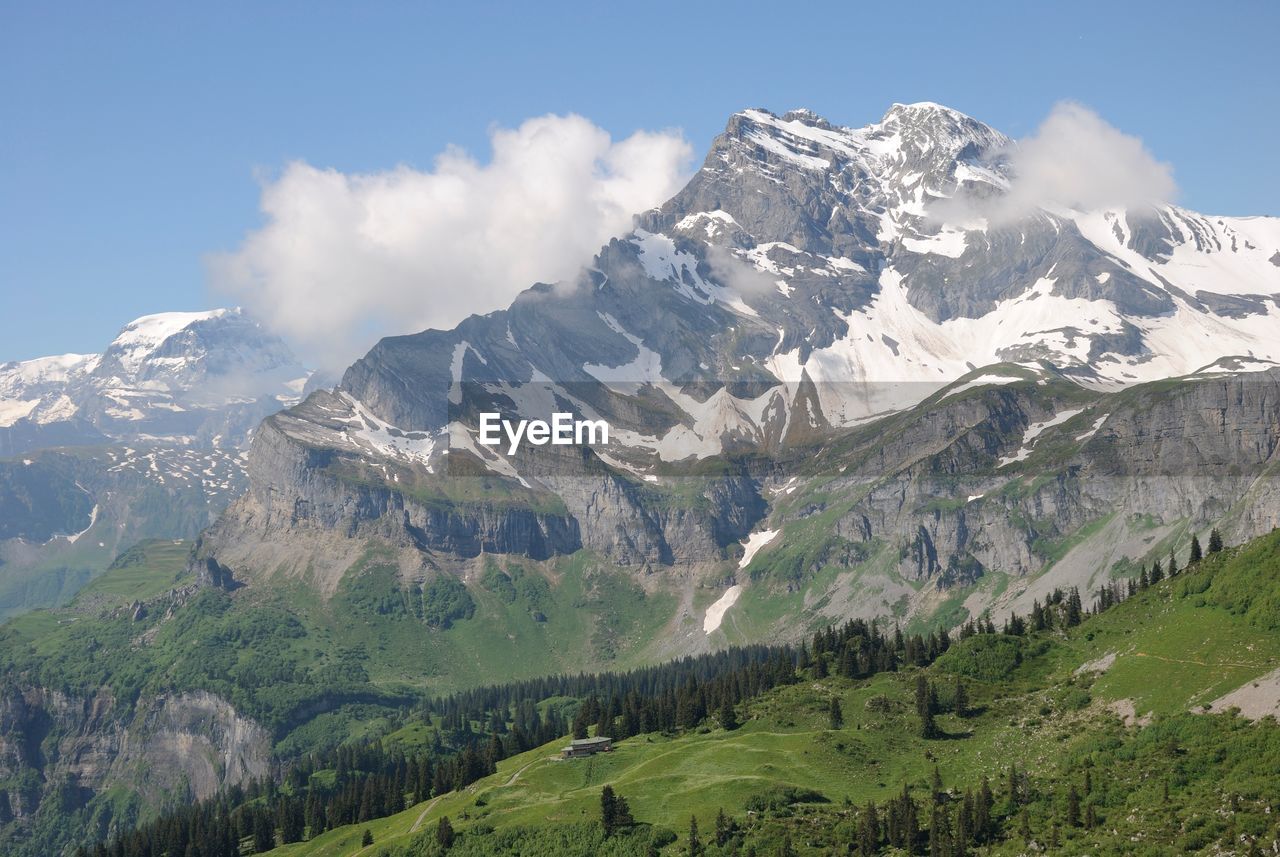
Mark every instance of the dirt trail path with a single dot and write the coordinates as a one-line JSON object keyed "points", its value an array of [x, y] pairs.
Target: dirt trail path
{"points": [[422, 815], [1198, 663]]}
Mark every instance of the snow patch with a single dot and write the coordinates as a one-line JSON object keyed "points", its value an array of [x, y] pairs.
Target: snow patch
{"points": [[1034, 431], [93, 519], [982, 381], [715, 613], [754, 543]]}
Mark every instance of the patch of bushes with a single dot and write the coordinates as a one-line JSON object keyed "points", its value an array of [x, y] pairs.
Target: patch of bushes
{"points": [[987, 657]]}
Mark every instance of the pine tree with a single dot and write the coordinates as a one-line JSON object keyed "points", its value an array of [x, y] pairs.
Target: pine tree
{"points": [[1196, 554], [580, 721], [264, 836], [292, 821], [868, 831], [1075, 609], [835, 715], [608, 810], [1014, 800], [1215, 540], [925, 701], [367, 838], [695, 844], [723, 829], [960, 700], [315, 815], [728, 718], [1157, 573], [982, 807], [928, 726], [1173, 564], [444, 833], [1073, 807]]}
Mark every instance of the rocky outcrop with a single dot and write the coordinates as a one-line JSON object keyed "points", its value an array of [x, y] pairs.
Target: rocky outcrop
{"points": [[1204, 451], [61, 753]]}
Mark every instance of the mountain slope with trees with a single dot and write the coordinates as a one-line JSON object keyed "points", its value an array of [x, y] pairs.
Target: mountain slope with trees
{"points": [[1087, 725]]}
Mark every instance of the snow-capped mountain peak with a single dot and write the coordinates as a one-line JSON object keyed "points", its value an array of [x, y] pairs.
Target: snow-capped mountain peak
{"points": [[141, 337], [185, 377], [801, 283]]}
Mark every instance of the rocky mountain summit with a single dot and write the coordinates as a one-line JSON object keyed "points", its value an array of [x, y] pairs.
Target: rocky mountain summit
{"points": [[809, 297]]}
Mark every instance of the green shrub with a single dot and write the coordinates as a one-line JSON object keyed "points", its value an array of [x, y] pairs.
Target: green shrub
{"points": [[445, 600], [988, 657]]}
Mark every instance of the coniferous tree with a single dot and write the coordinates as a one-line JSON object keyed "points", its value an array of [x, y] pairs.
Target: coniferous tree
{"points": [[1173, 564], [580, 723], [367, 839], [960, 699], [314, 815], [1157, 572], [868, 831], [292, 821], [835, 714], [982, 806], [695, 848], [608, 810], [728, 718], [925, 708], [1215, 540], [723, 829], [1073, 807], [1075, 610], [1196, 554], [444, 833], [264, 835]]}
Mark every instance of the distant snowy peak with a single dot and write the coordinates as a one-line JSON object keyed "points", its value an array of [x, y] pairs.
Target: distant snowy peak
{"points": [[142, 337], [186, 377]]}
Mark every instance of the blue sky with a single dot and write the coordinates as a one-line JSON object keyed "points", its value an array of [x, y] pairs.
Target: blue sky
{"points": [[133, 136]]}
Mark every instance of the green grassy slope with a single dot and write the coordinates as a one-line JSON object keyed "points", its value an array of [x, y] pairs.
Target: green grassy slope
{"points": [[375, 641], [1055, 710]]}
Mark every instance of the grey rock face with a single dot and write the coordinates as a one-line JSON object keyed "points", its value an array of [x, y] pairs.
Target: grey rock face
{"points": [[177, 748], [809, 278]]}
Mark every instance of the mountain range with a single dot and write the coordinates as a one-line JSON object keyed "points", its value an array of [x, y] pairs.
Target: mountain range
{"points": [[842, 382], [800, 343]]}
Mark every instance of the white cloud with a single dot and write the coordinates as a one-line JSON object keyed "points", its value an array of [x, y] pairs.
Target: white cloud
{"points": [[1074, 160], [343, 259]]}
